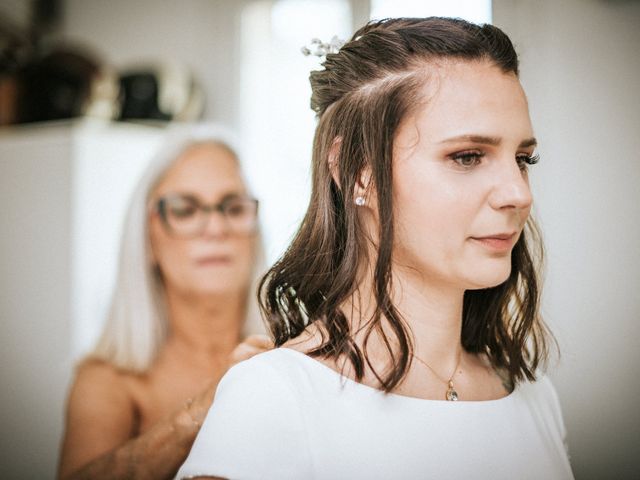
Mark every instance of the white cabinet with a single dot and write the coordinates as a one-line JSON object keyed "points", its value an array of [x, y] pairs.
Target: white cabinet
{"points": [[63, 191]]}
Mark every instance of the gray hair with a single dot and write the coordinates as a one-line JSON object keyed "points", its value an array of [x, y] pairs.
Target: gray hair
{"points": [[137, 323]]}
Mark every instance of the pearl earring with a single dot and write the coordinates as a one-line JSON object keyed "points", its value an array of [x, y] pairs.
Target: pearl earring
{"points": [[359, 201]]}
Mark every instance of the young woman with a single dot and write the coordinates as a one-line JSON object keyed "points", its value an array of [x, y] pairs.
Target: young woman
{"points": [[189, 255], [406, 307]]}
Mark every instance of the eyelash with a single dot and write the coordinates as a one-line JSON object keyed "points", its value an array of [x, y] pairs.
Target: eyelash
{"points": [[526, 160], [459, 157], [523, 160]]}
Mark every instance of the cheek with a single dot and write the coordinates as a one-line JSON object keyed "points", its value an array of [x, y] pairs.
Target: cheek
{"points": [[174, 267], [171, 254], [432, 209], [525, 215], [157, 240], [246, 253]]}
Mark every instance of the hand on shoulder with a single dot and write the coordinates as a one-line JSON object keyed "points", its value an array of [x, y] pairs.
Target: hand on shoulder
{"points": [[250, 346]]}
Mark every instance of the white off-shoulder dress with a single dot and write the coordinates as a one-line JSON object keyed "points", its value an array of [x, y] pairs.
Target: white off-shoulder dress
{"points": [[284, 415]]}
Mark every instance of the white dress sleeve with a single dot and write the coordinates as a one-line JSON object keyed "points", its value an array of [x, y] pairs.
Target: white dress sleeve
{"points": [[254, 428]]}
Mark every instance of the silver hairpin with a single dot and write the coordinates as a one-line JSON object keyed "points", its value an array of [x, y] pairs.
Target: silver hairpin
{"points": [[318, 48]]}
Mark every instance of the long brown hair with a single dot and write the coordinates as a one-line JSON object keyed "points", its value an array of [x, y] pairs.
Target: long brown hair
{"points": [[360, 97]]}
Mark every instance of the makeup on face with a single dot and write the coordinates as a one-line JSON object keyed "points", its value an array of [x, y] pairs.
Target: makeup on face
{"points": [[461, 190]]}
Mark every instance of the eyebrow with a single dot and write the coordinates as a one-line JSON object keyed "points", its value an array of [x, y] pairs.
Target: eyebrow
{"points": [[493, 141]]}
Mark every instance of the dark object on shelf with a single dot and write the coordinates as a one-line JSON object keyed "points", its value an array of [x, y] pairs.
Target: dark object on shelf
{"points": [[165, 91], [55, 87], [8, 95], [43, 80], [139, 93]]}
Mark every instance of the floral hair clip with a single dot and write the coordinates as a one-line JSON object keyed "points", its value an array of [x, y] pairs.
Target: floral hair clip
{"points": [[319, 48]]}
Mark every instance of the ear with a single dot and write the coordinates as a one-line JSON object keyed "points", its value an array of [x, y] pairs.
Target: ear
{"points": [[334, 155], [363, 187]]}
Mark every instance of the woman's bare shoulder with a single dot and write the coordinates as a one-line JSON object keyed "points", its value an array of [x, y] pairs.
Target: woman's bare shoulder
{"points": [[101, 384], [101, 414], [95, 372]]}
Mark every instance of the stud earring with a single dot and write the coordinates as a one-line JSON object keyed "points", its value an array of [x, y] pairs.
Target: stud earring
{"points": [[359, 201]]}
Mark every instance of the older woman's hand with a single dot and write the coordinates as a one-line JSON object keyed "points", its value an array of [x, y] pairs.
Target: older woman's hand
{"points": [[252, 345]]}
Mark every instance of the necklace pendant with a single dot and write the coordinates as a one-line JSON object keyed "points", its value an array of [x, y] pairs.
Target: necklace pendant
{"points": [[452, 395]]}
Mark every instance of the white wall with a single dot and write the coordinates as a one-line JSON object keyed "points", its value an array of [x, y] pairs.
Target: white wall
{"points": [[35, 313], [580, 67], [64, 188], [107, 162]]}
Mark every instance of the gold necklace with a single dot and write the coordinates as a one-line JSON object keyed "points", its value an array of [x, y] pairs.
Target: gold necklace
{"points": [[451, 393]]}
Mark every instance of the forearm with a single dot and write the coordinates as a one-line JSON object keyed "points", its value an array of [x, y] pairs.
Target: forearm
{"points": [[156, 454]]}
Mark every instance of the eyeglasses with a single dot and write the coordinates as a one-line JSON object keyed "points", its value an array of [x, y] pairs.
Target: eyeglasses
{"points": [[185, 216]]}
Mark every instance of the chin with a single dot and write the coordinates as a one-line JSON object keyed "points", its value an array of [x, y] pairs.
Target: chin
{"points": [[490, 276], [218, 289]]}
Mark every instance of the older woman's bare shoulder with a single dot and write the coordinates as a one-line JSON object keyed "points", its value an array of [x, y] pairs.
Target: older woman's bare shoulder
{"points": [[95, 371], [96, 379], [101, 414]]}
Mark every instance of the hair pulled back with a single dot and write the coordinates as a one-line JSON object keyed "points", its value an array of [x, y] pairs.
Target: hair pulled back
{"points": [[360, 98]]}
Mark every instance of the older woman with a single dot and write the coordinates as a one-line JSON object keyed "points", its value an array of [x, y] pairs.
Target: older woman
{"points": [[407, 305], [180, 314]]}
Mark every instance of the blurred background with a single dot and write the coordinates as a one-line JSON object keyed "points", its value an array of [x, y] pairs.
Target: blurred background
{"points": [[88, 86]]}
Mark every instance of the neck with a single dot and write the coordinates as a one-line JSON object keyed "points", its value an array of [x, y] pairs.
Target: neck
{"points": [[206, 326], [432, 311]]}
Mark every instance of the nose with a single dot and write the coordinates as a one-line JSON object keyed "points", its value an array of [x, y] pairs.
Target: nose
{"points": [[511, 189], [215, 225]]}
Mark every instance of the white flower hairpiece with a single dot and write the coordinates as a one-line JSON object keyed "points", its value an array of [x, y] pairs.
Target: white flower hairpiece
{"points": [[318, 48]]}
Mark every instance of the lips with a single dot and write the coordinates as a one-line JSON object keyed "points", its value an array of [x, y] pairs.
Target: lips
{"points": [[499, 242], [211, 260]]}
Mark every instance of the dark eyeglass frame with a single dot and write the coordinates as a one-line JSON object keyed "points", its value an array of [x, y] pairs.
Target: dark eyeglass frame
{"points": [[161, 206]]}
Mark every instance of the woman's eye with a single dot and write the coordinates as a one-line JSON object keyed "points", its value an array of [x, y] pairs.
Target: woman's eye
{"points": [[467, 159], [182, 211], [524, 160], [235, 209]]}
